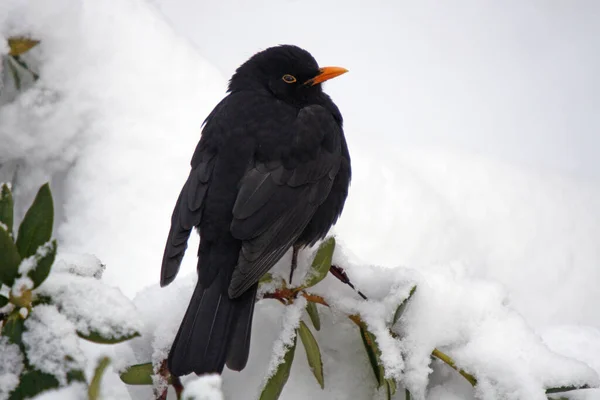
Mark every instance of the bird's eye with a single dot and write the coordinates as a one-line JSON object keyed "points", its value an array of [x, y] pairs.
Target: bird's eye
{"points": [[287, 78]]}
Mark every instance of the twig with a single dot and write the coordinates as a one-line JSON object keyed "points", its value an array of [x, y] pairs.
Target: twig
{"points": [[177, 386], [448, 360], [341, 275]]}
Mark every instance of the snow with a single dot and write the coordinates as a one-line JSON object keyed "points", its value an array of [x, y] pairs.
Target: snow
{"points": [[206, 387], [51, 343], [75, 391], [21, 284], [289, 323], [91, 305], [30, 263], [11, 365], [504, 257], [87, 265]]}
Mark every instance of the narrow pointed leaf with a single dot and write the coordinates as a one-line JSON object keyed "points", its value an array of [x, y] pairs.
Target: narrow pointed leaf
{"points": [[139, 374], [33, 383], [9, 259], [275, 384], [321, 263], [13, 328], [94, 388], [388, 390], [313, 313], [3, 301], [373, 353], [96, 337], [407, 394], [566, 389], [36, 228], [392, 385], [6, 207], [44, 261], [402, 306], [313, 353]]}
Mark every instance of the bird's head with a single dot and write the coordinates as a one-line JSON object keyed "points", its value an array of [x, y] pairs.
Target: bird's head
{"points": [[288, 72]]}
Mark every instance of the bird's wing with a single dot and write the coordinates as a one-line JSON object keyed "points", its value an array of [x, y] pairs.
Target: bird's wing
{"points": [[277, 199], [187, 212]]}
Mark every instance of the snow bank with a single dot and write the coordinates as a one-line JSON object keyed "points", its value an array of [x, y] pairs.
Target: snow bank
{"points": [[468, 318], [118, 105]]}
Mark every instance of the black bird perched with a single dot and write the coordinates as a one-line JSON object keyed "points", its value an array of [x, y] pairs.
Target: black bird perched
{"points": [[271, 172]]}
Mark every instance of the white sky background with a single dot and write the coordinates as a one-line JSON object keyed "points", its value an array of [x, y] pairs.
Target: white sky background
{"points": [[517, 80]]}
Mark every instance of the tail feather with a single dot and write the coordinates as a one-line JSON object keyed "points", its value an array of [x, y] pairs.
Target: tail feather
{"points": [[239, 342], [214, 329]]}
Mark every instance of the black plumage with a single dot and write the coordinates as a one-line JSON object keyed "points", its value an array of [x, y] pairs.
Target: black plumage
{"points": [[271, 171]]}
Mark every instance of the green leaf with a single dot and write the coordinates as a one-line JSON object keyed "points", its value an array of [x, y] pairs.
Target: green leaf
{"points": [[13, 328], [390, 388], [139, 374], [566, 389], [406, 394], [321, 263], [14, 71], [98, 338], [402, 306], [75, 375], [313, 313], [3, 301], [44, 260], [6, 207], [266, 278], [36, 228], [374, 353], [313, 353], [275, 384], [94, 388], [9, 259], [33, 383]]}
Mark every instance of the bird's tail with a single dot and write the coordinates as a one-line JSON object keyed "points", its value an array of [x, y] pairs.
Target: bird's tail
{"points": [[215, 330]]}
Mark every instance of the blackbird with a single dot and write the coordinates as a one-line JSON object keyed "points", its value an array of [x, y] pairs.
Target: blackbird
{"points": [[271, 172]]}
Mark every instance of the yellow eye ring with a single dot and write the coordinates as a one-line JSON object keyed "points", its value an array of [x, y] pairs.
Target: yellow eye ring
{"points": [[287, 78]]}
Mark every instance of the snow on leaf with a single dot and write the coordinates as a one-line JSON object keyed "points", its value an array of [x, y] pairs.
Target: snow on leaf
{"points": [[11, 366], [93, 307], [291, 321], [51, 343], [206, 387], [274, 385], [37, 266]]}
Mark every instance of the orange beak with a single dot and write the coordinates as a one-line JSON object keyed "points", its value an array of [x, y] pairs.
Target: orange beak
{"points": [[325, 74]]}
